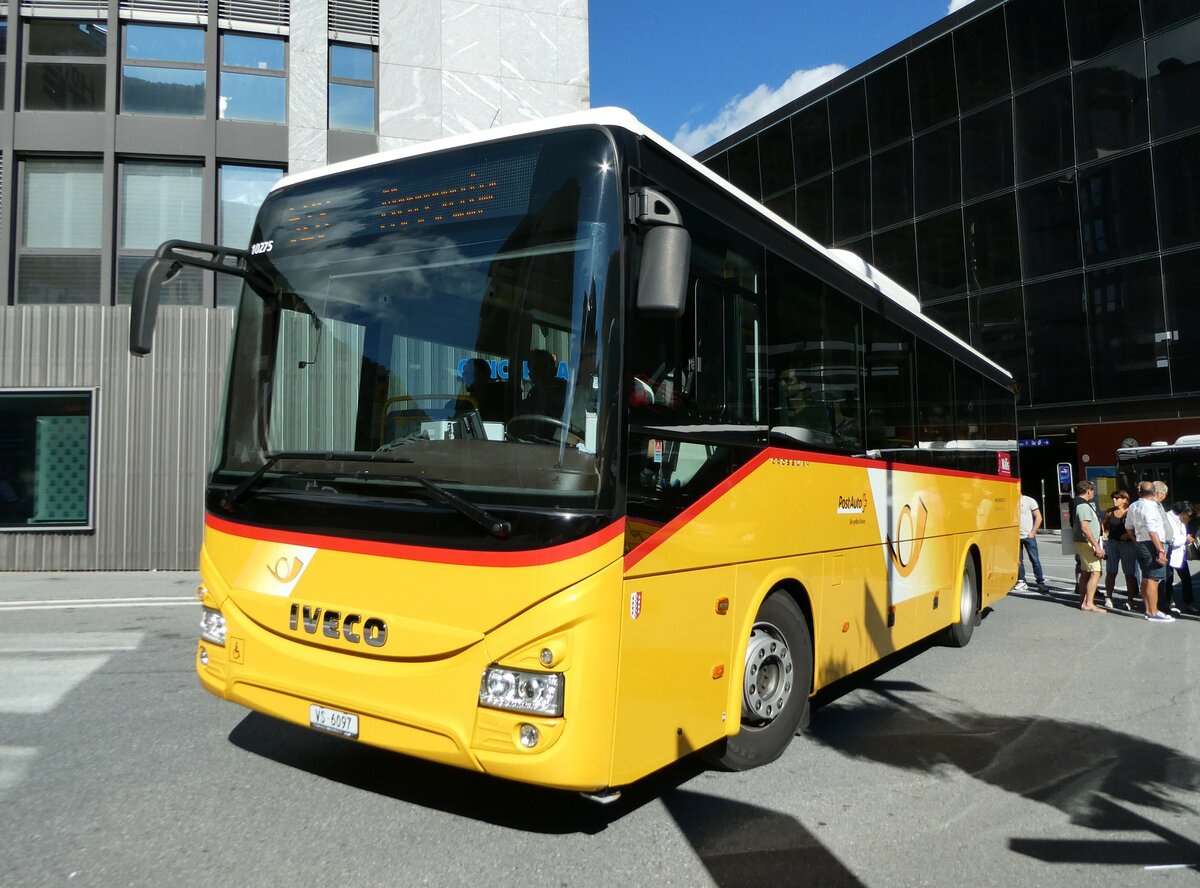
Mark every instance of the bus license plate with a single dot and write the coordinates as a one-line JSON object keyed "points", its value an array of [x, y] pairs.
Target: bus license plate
{"points": [[333, 721]]}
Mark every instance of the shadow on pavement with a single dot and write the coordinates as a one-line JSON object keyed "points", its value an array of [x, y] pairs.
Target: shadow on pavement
{"points": [[1083, 770]]}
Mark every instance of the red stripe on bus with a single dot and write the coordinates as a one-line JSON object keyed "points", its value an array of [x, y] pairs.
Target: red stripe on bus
{"points": [[530, 558]]}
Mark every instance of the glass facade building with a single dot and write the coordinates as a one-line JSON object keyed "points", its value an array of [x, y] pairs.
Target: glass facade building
{"points": [[1031, 170]]}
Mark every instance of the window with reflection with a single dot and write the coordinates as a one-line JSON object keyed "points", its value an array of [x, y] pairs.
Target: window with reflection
{"points": [[941, 258], [1059, 355], [1173, 65], [848, 123], [887, 105], [783, 205], [991, 238], [887, 384], [895, 254], [1049, 214], [775, 157], [158, 201], [814, 209], [253, 78], [1110, 104], [969, 417], [352, 81], [1177, 177], [64, 65], [1116, 209], [241, 190], [851, 200], [719, 164], [953, 314], [814, 361], [163, 71], [933, 92], [987, 151], [998, 330], [1180, 271], [3, 56], [810, 141], [936, 174], [981, 59], [935, 397], [891, 185], [1096, 26], [743, 167], [1158, 14], [1125, 317], [61, 207], [1044, 130], [1037, 40]]}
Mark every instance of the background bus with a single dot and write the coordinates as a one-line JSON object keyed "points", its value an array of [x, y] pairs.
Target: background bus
{"points": [[1176, 465], [701, 466]]}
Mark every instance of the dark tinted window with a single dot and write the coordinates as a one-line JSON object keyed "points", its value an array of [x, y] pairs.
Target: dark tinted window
{"points": [[783, 205], [991, 238], [935, 395], [933, 92], [1045, 133], [743, 167], [1180, 273], [981, 59], [1125, 305], [1177, 176], [775, 156], [1037, 40], [1096, 26], [1173, 64], [941, 260], [814, 209], [1049, 215], [936, 172], [851, 200], [860, 247], [887, 384], [1110, 104], [1161, 13], [48, 37], [999, 332], [848, 123], [987, 151], [1116, 209], [891, 185], [1059, 357], [953, 314], [810, 140], [969, 388], [719, 164], [887, 105], [896, 256]]}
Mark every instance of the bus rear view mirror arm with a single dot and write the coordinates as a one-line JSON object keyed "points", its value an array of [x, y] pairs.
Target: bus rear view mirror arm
{"points": [[666, 253], [166, 264]]}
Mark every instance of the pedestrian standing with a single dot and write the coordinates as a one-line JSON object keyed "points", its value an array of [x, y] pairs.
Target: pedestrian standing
{"points": [[1177, 561], [1146, 520], [1030, 520], [1087, 547], [1120, 551]]}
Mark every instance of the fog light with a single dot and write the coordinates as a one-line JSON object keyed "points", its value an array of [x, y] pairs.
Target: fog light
{"points": [[212, 626], [201, 591], [203, 657], [540, 692], [529, 736], [547, 657]]}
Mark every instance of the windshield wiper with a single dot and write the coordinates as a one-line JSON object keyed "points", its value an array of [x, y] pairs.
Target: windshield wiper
{"points": [[231, 499], [497, 527]]}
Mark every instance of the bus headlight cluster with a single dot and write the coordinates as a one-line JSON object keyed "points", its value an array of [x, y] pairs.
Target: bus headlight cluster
{"points": [[536, 692], [212, 626]]}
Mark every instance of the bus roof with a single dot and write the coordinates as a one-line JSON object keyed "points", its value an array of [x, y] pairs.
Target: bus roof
{"points": [[620, 118]]}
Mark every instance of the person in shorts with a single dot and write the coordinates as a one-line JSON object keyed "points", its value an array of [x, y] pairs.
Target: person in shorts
{"points": [[1145, 517], [1087, 547]]}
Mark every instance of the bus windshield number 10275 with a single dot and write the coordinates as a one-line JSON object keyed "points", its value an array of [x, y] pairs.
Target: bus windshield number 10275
{"points": [[548, 454]]}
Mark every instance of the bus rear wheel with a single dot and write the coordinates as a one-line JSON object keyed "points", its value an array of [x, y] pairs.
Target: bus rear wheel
{"points": [[957, 634], [775, 688]]}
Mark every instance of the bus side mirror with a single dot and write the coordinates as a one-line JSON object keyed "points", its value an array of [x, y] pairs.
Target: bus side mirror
{"points": [[147, 288], [663, 277]]}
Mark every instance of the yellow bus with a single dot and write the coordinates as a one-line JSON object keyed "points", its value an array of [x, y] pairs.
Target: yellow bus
{"points": [[547, 453]]}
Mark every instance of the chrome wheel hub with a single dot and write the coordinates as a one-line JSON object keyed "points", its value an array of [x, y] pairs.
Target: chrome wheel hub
{"points": [[768, 681]]}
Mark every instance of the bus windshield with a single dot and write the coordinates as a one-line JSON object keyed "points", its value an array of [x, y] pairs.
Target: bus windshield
{"points": [[430, 333]]}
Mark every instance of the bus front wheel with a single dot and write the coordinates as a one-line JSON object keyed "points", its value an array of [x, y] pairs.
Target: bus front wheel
{"points": [[775, 687], [959, 632]]}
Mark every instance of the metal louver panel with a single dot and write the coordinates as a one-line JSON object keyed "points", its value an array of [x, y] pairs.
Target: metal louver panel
{"points": [[84, 9], [166, 10], [356, 20], [255, 15]]}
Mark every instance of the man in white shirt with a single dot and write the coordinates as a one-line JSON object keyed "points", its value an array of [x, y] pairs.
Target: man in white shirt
{"points": [[1030, 521], [1145, 517]]}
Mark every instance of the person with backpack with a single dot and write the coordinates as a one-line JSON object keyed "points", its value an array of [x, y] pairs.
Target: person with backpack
{"points": [[1087, 547]]}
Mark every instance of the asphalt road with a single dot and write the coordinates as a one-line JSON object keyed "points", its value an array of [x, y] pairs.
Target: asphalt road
{"points": [[1059, 748]]}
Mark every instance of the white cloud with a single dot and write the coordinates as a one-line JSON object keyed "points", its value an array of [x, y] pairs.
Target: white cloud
{"points": [[743, 110], [956, 5]]}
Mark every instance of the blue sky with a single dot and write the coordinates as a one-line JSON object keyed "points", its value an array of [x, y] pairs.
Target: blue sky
{"points": [[697, 71]]}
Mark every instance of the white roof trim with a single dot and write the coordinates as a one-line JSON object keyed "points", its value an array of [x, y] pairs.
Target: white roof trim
{"points": [[618, 117]]}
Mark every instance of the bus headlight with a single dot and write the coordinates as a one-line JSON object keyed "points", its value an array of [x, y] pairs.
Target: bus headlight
{"points": [[212, 626], [536, 692]]}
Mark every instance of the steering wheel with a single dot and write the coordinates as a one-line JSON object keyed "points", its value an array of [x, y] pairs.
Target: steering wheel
{"points": [[534, 428]]}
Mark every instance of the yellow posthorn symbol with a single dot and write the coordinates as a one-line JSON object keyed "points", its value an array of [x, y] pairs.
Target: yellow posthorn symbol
{"points": [[286, 569], [905, 565]]}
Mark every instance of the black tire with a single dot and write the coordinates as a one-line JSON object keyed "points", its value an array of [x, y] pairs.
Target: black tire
{"points": [[780, 639], [959, 633]]}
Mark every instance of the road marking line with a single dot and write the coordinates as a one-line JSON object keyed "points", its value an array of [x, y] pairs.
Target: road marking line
{"points": [[84, 603], [69, 642], [13, 762], [35, 685]]}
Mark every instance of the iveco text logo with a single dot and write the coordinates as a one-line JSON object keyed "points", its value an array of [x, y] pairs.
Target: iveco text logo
{"points": [[332, 625], [262, 247]]}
